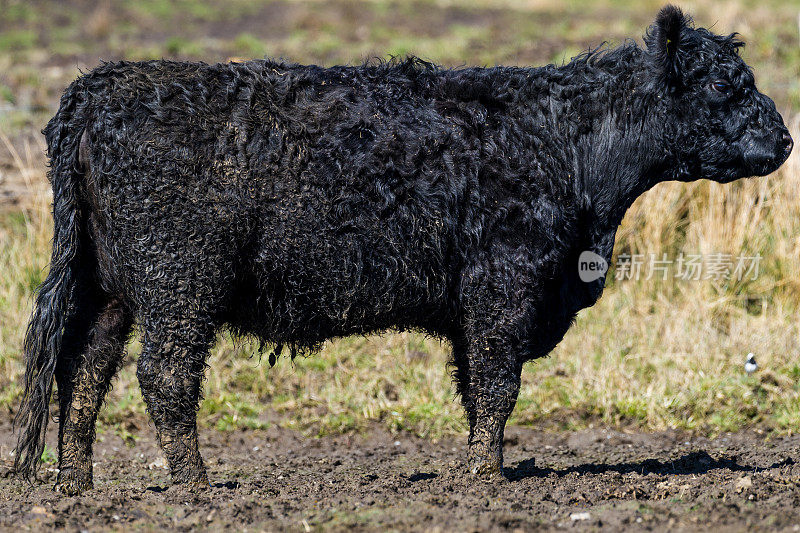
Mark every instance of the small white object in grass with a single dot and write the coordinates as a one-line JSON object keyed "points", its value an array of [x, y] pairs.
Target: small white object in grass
{"points": [[750, 365], [579, 516]]}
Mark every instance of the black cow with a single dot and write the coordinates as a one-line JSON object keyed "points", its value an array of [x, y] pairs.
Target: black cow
{"points": [[298, 203]]}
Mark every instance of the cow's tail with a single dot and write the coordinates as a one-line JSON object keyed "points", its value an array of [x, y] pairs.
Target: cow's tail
{"points": [[43, 340]]}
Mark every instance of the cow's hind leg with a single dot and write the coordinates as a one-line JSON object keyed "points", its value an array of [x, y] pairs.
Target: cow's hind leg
{"points": [[170, 373], [94, 346]]}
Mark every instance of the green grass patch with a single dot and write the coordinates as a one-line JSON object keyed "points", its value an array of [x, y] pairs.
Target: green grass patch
{"points": [[14, 40]]}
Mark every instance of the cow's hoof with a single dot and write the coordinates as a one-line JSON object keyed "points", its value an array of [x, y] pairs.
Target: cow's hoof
{"points": [[486, 470], [191, 478], [196, 486], [72, 482]]}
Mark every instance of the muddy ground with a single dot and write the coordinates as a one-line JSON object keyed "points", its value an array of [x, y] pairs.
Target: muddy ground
{"points": [[277, 479]]}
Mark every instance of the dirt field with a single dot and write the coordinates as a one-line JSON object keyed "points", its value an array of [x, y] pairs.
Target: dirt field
{"points": [[276, 479]]}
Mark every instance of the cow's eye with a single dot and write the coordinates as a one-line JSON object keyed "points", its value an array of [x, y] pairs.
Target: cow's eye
{"points": [[721, 86]]}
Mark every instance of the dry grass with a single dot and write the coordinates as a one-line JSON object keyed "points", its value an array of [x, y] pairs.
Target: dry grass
{"points": [[651, 354]]}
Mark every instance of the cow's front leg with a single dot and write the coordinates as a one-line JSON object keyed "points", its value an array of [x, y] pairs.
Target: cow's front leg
{"points": [[494, 385], [498, 320]]}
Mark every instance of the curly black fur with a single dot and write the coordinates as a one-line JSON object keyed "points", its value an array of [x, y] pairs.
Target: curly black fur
{"points": [[299, 203]]}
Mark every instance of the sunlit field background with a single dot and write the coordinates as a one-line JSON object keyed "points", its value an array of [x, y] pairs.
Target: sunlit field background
{"points": [[652, 354]]}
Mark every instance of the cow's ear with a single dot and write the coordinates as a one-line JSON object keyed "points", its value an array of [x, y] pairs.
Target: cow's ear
{"points": [[664, 41]]}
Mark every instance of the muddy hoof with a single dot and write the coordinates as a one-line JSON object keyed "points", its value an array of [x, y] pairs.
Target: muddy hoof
{"points": [[191, 480], [486, 470], [72, 482], [197, 486]]}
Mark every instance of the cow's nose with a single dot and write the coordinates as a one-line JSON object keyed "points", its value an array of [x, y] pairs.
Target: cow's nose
{"points": [[787, 142]]}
